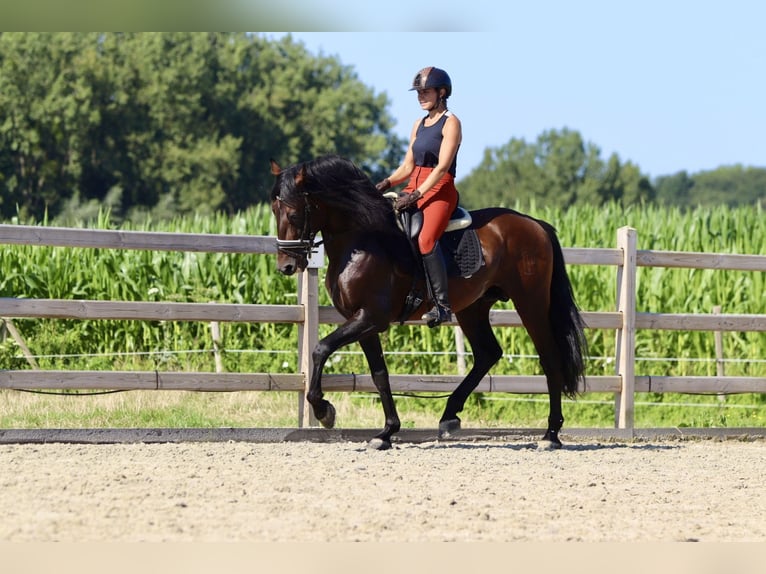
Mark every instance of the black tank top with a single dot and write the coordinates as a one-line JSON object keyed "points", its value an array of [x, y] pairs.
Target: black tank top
{"points": [[427, 142]]}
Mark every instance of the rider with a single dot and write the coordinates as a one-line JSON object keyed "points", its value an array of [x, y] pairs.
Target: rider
{"points": [[430, 164]]}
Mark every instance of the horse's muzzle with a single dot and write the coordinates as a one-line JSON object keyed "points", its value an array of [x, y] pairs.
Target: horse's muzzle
{"points": [[297, 250], [288, 269]]}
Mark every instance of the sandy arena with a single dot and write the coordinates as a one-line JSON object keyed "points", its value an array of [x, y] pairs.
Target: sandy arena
{"points": [[658, 490]]}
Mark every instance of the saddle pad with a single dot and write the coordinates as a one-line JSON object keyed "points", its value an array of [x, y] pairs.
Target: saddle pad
{"points": [[462, 252]]}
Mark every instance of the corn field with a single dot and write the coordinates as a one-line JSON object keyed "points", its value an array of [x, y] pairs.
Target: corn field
{"points": [[66, 273]]}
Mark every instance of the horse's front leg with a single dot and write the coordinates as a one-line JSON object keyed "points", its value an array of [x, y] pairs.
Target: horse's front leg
{"points": [[373, 351], [349, 332]]}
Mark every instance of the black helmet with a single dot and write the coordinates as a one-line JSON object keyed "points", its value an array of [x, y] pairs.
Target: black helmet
{"points": [[431, 77]]}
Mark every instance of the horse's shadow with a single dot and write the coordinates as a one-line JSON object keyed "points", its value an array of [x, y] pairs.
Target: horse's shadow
{"points": [[524, 445]]}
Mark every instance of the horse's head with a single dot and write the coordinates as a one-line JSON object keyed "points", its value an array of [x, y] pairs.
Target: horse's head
{"points": [[328, 194], [292, 208]]}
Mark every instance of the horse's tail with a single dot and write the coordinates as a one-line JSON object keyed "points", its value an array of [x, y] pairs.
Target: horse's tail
{"points": [[566, 322]]}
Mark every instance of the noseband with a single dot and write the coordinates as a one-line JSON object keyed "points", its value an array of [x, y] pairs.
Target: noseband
{"points": [[299, 248]]}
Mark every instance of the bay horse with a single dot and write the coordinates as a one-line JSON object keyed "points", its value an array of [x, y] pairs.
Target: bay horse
{"points": [[372, 269]]}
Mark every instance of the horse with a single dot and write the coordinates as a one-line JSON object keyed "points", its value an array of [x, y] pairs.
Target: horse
{"points": [[372, 270]]}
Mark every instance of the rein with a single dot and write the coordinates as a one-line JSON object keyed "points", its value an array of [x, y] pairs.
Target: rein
{"points": [[305, 246]]}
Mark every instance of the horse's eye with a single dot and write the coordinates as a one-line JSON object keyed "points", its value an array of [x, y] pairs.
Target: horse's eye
{"points": [[294, 219]]}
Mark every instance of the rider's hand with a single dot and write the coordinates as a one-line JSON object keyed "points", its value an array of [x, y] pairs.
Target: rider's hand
{"points": [[407, 200], [384, 185]]}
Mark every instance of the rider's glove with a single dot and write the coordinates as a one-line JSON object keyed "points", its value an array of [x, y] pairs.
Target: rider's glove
{"points": [[407, 200], [384, 185]]}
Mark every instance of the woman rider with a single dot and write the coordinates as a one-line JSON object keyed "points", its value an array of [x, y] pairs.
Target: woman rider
{"points": [[430, 164]]}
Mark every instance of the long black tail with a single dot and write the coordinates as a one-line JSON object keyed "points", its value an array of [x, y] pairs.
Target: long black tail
{"points": [[566, 322]]}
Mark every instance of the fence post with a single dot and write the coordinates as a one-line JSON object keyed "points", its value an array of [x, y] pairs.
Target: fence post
{"points": [[308, 331], [215, 333], [626, 335], [460, 350], [719, 368], [718, 338]]}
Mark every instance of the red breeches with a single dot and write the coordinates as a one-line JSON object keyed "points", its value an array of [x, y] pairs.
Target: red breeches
{"points": [[437, 204]]}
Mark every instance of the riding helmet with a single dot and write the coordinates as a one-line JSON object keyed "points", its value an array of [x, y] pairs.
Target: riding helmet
{"points": [[431, 77]]}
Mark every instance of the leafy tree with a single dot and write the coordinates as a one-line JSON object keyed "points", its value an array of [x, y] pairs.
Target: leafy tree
{"points": [[559, 169], [726, 185], [674, 189], [174, 123], [730, 185], [45, 108]]}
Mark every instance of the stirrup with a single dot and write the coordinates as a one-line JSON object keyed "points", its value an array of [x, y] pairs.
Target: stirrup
{"points": [[437, 315]]}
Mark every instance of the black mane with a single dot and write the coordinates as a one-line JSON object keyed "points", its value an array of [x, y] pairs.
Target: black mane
{"points": [[342, 187]]}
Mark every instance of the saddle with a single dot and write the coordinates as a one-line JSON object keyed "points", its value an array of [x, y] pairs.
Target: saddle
{"points": [[460, 247], [460, 243]]}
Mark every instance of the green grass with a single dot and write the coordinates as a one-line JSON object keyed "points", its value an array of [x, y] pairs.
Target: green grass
{"points": [[271, 409]]}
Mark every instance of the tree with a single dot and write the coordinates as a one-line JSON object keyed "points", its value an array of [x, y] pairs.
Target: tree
{"points": [[730, 185], [674, 189], [558, 169], [727, 185], [45, 108], [172, 123]]}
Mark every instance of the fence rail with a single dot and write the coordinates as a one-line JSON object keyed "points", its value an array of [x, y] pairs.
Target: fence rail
{"points": [[308, 314]]}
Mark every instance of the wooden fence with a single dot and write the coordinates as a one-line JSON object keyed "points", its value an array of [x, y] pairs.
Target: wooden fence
{"points": [[308, 314]]}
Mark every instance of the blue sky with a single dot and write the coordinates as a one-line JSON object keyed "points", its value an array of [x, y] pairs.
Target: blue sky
{"points": [[667, 85]]}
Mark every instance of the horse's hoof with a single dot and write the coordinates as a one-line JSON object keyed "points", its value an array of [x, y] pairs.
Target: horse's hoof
{"points": [[328, 420], [446, 428], [379, 444], [550, 441]]}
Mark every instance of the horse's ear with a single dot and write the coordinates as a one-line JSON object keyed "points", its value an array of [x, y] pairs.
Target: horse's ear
{"points": [[300, 176], [275, 169]]}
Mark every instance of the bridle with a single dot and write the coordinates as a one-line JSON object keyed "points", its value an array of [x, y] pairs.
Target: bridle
{"points": [[304, 247]]}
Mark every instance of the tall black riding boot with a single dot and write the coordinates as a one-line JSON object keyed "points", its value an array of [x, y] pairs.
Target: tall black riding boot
{"points": [[436, 278]]}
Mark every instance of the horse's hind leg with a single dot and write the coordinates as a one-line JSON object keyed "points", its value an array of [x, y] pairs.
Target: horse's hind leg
{"points": [[374, 354], [474, 320], [535, 319]]}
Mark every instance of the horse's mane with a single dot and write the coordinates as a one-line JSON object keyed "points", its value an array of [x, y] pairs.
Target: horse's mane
{"points": [[342, 187]]}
